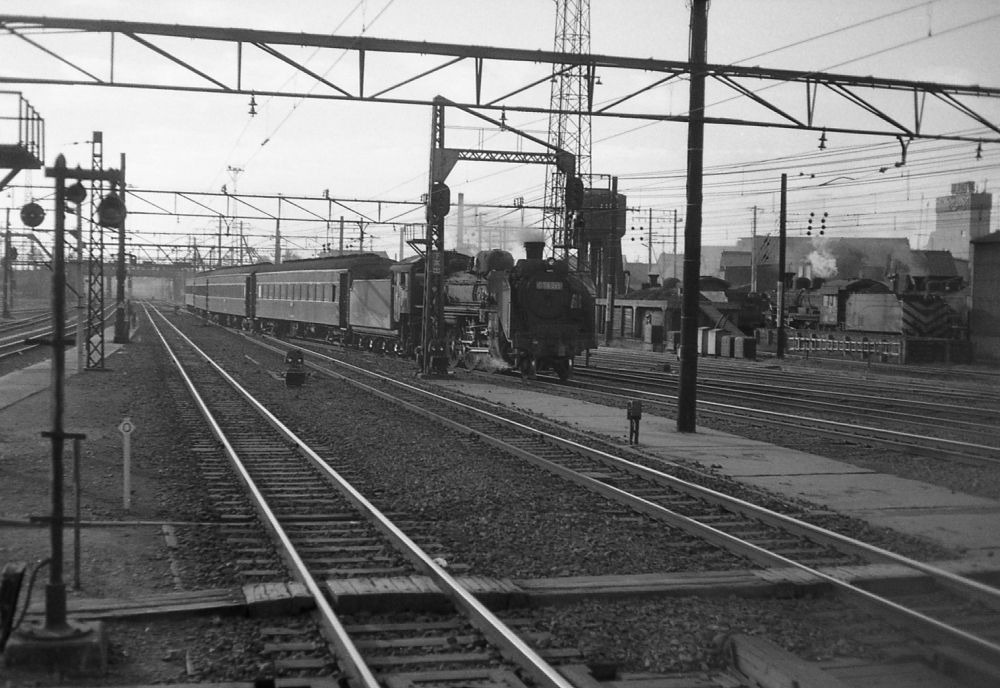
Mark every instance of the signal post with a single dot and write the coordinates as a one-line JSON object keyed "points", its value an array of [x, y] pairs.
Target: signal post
{"points": [[57, 643]]}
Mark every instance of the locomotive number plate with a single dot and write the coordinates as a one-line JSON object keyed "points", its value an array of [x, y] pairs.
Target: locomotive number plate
{"points": [[551, 286]]}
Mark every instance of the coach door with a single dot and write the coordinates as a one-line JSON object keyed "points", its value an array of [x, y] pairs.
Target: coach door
{"points": [[250, 298], [345, 301]]}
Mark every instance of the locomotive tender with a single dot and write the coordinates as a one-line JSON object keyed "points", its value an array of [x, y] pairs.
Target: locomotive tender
{"points": [[532, 315]]}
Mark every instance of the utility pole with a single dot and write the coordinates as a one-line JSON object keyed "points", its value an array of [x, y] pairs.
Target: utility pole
{"points": [[234, 173], [609, 269], [277, 235], [688, 377], [8, 264], [675, 244], [753, 253], [782, 231], [81, 304], [479, 229], [649, 248], [121, 317], [340, 246]]}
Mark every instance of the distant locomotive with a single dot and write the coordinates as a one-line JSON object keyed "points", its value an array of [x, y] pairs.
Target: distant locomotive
{"points": [[866, 305], [530, 316]]}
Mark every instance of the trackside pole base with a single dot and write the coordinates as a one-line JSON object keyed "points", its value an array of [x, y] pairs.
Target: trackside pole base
{"points": [[81, 650]]}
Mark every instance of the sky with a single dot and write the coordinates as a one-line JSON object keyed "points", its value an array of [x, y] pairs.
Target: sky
{"points": [[185, 142]]}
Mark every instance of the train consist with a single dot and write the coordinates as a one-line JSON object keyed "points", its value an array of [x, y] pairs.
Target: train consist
{"points": [[530, 315]]}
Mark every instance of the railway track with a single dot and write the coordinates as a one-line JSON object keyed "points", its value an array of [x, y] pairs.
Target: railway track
{"points": [[982, 385], [18, 337], [849, 429], [976, 426], [322, 526], [958, 612]]}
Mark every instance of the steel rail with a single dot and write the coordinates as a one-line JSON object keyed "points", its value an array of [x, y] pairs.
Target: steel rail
{"points": [[11, 345], [716, 367], [964, 451], [894, 374], [495, 630], [20, 323], [346, 651], [899, 385], [933, 627], [723, 388]]}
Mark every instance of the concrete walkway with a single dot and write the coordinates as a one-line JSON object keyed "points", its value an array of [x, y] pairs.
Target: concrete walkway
{"points": [[23, 383], [951, 519]]}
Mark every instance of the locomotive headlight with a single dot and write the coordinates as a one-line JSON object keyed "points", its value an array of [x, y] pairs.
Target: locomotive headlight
{"points": [[550, 262]]}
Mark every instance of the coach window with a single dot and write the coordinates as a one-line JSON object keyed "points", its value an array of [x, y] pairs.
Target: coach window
{"points": [[333, 292]]}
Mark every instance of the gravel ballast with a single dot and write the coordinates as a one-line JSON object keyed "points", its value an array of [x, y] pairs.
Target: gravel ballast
{"points": [[492, 512]]}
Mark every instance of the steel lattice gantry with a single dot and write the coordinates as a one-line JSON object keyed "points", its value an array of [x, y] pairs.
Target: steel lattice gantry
{"points": [[225, 72], [434, 356]]}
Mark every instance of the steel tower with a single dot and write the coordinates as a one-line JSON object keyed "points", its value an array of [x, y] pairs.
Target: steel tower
{"points": [[569, 121]]}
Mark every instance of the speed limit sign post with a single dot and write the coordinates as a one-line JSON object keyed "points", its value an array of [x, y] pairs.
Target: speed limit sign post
{"points": [[126, 427]]}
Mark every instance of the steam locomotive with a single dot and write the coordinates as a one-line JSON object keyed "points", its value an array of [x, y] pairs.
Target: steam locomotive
{"points": [[530, 315]]}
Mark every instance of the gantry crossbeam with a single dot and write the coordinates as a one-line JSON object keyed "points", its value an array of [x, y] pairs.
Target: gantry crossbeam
{"points": [[45, 36]]}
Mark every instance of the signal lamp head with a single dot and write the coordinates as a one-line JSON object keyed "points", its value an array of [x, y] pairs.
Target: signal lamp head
{"points": [[76, 194], [111, 211], [32, 215]]}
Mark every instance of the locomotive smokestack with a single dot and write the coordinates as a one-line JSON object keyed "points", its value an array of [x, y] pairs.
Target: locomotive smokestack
{"points": [[533, 249], [653, 278]]}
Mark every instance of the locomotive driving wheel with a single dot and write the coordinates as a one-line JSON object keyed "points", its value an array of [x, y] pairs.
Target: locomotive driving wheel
{"points": [[564, 369], [454, 353], [529, 368]]}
